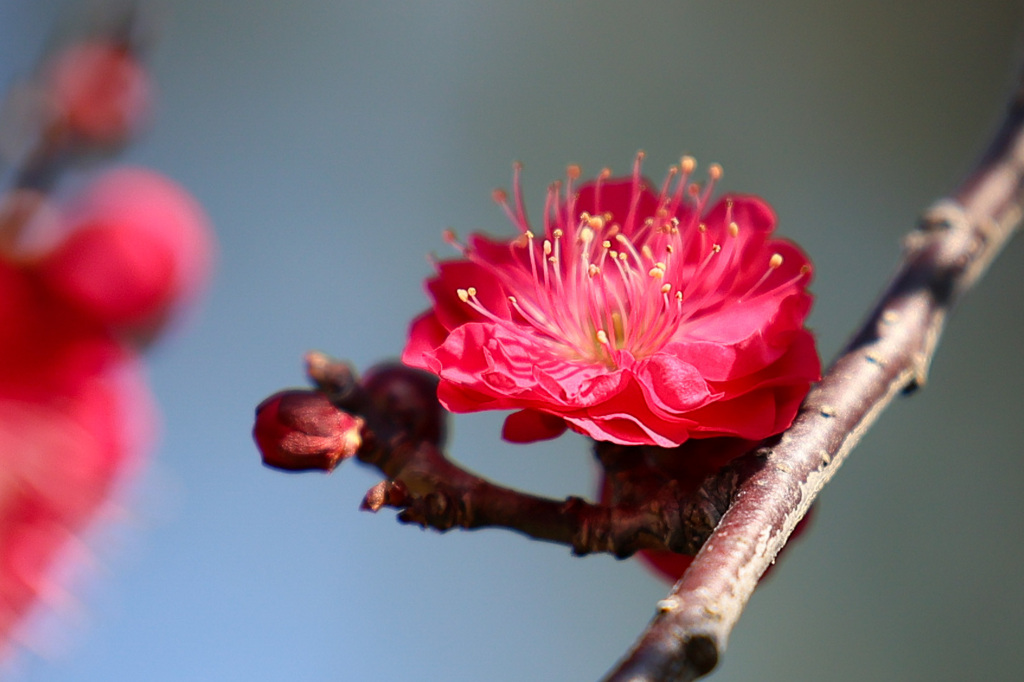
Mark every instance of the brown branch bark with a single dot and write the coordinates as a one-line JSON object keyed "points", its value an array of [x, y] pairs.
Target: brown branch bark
{"points": [[953, 245], [434, 492], [402, 429]]}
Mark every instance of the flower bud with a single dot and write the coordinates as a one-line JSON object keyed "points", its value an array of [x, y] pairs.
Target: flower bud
{"points": [[405, 401], [100, 91], [299, 430]]}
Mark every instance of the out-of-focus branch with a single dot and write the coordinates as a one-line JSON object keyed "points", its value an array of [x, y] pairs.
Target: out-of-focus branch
{"points": [[773, 488], [90, 100]]}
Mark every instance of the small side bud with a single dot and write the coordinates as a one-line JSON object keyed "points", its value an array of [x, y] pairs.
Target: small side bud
{"points": [[299, 430], [404, 400], [385, 494], [334, 378]]}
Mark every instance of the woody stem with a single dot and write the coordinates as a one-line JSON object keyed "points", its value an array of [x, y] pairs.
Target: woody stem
{"points": [[434, 492]]}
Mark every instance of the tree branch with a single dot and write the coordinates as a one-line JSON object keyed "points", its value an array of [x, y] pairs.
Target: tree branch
{"points": [[434, 492], [775, 486], [402, 428]]}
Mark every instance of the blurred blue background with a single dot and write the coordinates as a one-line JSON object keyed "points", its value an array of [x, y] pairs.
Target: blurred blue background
{"points": [[331, 143]]}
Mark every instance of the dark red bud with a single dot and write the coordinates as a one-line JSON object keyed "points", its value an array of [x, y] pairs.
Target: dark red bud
{"points": [[405, 401], [300, 430]]}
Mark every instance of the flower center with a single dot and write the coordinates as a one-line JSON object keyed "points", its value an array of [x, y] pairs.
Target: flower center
{"points": [[598, 284]]}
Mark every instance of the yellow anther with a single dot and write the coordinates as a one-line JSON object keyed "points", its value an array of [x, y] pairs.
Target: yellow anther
{"points": [[558, 234], [734, 229], [606, 244], [656, 273], [775, 261], [702, 228], [715, 171], [547, 247], [666, 287], [602, 337], [687, 163], [586, 235], [646, 251], [716, 248], [593, 270], [463, 295], [573, 171], [617, 325]]}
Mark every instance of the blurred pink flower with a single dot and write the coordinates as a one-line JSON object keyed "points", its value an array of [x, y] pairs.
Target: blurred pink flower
{"points": [[75, 414], [139, 246]]}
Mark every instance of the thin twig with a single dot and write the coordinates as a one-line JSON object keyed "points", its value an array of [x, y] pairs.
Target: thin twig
{"points": [[402, 430], [954, 244], [434, 492]]}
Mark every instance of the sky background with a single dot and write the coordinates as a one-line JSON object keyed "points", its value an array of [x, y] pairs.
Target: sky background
{"points": [[331, 143]]}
